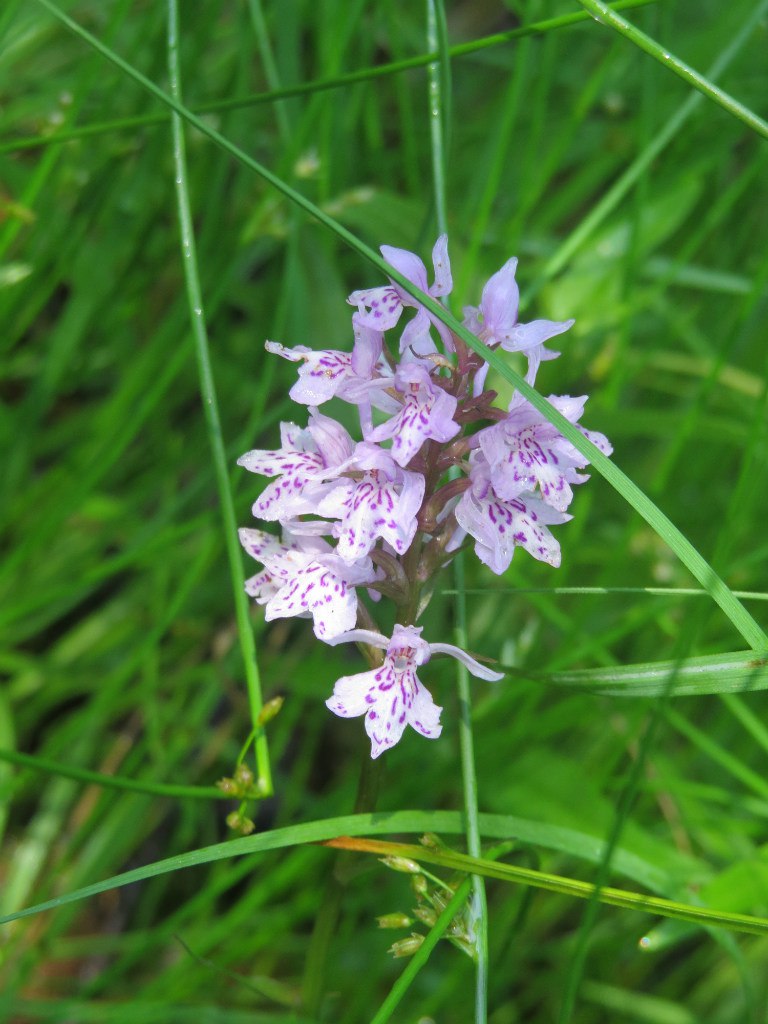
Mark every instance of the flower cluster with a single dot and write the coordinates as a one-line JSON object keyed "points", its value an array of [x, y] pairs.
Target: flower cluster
{"points": [[438, 466]]}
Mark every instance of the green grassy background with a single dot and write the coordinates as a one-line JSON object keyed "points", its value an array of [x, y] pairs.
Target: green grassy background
{"points": [[118, 638]]}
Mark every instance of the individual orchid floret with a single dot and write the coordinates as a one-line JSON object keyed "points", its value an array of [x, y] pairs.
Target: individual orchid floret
{"points": [[392, 696], [328, 373], [525, 451], [302, 465], [494, 321], [427, 412], [382, 503], [305, 577], [380, 308], [499, 526]]}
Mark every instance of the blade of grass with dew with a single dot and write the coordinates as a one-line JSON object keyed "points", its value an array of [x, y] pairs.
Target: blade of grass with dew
{"points": [[211, 411], [603, 14]]}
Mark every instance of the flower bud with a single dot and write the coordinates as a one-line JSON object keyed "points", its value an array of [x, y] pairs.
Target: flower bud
{"points": [[270, 710], [395, 920], [404, 864], [426, 915], [419, 885], [243, 776], [406, 947], [239, 823]]}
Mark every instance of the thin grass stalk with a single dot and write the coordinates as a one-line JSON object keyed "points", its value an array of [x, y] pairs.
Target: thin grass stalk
{"points": [[47, 766], [211, 411]]}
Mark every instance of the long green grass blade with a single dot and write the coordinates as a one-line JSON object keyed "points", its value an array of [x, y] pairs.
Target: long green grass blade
{"points": [[680, 871]]}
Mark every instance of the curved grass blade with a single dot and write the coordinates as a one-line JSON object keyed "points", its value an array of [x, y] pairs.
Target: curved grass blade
{"points": [[602, 13], [558, 883], [739, 672], [632, 494], [680, 870]]}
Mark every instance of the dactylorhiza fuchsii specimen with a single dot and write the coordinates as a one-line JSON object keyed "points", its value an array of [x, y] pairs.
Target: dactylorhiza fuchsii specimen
{"points": [[437, 466]]}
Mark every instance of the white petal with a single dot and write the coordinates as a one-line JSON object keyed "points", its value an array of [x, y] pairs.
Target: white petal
{"points": [[481, 671]]}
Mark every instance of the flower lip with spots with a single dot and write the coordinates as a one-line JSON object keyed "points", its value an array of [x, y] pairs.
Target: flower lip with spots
{"points": [[426, 413], [392, 696], [305, 577]]}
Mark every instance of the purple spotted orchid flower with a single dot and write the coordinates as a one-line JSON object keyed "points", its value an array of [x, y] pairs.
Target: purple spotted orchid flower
{"points": [[525, 451], [392, 696], [304, 576], [303, 466], [426, 413], [380, 308], [494, 321], [439, 466]]}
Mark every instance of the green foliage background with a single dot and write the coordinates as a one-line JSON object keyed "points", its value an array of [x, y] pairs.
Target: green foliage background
{"points": [[636, 210]]}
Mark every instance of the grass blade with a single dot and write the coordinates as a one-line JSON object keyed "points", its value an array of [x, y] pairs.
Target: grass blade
{"points": [[602, 13]]}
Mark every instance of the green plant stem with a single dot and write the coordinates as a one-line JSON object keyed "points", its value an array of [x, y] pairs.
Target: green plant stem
{"points": [[745, 923], [602, 12], [211, 411], [312, 87], [439, 97]]}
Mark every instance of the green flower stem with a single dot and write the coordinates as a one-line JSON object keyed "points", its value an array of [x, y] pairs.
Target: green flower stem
{"points": [[439, 99], [602, 12], [309, 88], [211, 411]]}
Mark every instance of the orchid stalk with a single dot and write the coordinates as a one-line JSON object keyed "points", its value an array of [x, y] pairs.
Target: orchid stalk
{"points": [[437, 465]]}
